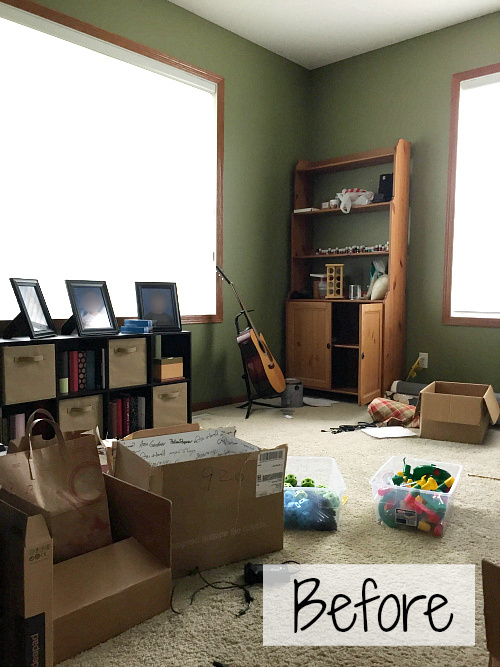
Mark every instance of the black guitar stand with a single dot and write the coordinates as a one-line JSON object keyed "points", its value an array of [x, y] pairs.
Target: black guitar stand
{"points": [[251, 401]]}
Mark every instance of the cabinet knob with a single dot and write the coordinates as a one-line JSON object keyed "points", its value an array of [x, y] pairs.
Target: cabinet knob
{"points": [[362, 355], [328, 346]]}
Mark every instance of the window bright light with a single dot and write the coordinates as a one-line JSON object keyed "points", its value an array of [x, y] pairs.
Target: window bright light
{"points": [[476, 241], [108, 170]]}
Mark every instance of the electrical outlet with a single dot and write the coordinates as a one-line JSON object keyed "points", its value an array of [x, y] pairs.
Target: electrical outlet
{"points": [[423, 359]]}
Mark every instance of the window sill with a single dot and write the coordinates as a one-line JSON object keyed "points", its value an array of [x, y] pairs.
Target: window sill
{"points": [[470, 321]]}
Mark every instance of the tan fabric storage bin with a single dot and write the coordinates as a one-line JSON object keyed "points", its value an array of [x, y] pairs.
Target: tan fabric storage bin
{"points": [[170, 405], [81, 414], [127, 362], [29, 373]]}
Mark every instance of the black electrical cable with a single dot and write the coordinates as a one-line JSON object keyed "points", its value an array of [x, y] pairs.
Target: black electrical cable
{"points": [[345, 428], [222, 585], [219, 585]]}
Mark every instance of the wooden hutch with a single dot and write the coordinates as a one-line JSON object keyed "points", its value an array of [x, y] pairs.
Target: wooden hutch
{"points": [[349, 347]]}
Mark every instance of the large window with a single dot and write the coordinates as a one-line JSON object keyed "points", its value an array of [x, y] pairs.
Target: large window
{"points": [[110, 165], [472, 253]]}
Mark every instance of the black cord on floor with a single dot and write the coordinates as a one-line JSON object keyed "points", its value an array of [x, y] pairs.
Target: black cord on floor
{"points": [[221, 585]]}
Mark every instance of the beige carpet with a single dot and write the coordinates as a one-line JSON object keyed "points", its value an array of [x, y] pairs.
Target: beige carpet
{"points": [[210, 630]]}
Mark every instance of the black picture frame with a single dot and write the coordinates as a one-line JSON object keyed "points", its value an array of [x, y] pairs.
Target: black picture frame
{"points": [[97, 291], [26, 322], [170, 319]]}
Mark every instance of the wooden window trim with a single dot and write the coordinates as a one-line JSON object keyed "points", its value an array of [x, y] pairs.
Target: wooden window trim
{"points": [[447, 317], [123, 42]]}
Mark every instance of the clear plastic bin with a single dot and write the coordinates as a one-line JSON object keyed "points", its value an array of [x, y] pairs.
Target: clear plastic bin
{"points": [[313, 508], [431, 514]]}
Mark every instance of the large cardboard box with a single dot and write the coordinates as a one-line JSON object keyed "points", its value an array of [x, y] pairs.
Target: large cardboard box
{"points": [[26, 584], [227, 495], [57, 611], [457, 412], [491, 595]]}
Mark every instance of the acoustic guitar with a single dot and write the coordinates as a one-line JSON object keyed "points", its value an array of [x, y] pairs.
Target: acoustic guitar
{"points": [[263, 369]]}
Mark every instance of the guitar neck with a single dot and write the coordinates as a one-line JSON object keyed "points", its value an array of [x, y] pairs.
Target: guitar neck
{"points": [[245, 311], [247, 315]]}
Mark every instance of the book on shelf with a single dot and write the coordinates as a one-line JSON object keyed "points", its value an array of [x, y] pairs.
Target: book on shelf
{"points": [[91, 370], [112, 419], [17, 426], [100, 369], [73, 371], [134, 414], [138, 323], [125, 416], [82, 370], [5, 430], [119, 418], [135, 330], [157, 346], [142, 412], [103, 368], [63, 372]]}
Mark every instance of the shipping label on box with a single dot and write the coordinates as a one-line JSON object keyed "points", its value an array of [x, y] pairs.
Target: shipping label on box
{"points": [[270, 473]]}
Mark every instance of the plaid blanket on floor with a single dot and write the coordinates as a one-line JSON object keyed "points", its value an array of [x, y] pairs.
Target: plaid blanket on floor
{"points": [[392, 413]]}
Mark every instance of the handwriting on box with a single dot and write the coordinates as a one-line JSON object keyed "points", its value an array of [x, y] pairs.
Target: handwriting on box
{"points": [[179, 447]]}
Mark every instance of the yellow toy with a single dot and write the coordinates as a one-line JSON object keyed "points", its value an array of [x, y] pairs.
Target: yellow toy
{"points": [[430, 485]]}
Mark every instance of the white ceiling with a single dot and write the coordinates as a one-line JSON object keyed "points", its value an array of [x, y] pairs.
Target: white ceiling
{"points": [[313, 33]]}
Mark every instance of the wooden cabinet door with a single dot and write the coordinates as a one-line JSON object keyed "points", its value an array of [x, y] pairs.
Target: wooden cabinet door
{"points": [[309, 341], [370, 353]]}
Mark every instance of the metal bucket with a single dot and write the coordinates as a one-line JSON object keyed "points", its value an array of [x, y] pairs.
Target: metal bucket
{"points": [[293, 396]]}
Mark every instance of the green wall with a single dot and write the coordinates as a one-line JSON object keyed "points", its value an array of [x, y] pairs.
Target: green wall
{"points": [[265, 135], [277, 113], [404, 91]]}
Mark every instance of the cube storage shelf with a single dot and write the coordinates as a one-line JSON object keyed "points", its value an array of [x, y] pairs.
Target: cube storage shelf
{"points": [[30, 373]]}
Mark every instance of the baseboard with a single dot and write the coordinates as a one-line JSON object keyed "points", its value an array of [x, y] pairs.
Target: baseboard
{"points": [[218, 402]]}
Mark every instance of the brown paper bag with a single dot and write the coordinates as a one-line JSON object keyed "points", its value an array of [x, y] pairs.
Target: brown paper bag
{"points": [[65, 481], [39, 441]]}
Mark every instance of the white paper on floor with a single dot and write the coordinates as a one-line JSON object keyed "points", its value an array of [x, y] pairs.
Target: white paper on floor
{"points": [[318, 402], [389, 432]]}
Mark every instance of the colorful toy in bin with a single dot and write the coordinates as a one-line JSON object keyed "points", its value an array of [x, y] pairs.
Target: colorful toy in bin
{"points": [[309, 507], [314, 499], [415, 498]]}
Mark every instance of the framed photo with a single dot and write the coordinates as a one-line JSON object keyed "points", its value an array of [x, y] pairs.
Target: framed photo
{"points": [[33, 307], [158, 302], [91, 305]]}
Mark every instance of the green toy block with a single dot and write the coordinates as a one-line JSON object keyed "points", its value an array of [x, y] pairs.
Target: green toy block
{"points": [[332, 498], [291, 479], [307, 482]]}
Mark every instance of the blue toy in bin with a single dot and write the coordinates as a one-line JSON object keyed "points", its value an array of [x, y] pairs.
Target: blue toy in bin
{"points": [[315, 500]]}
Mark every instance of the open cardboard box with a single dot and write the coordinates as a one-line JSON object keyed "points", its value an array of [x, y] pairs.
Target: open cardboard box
{"points": [[456, 411], [227, 495], [491, 594], [51, 612]]}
